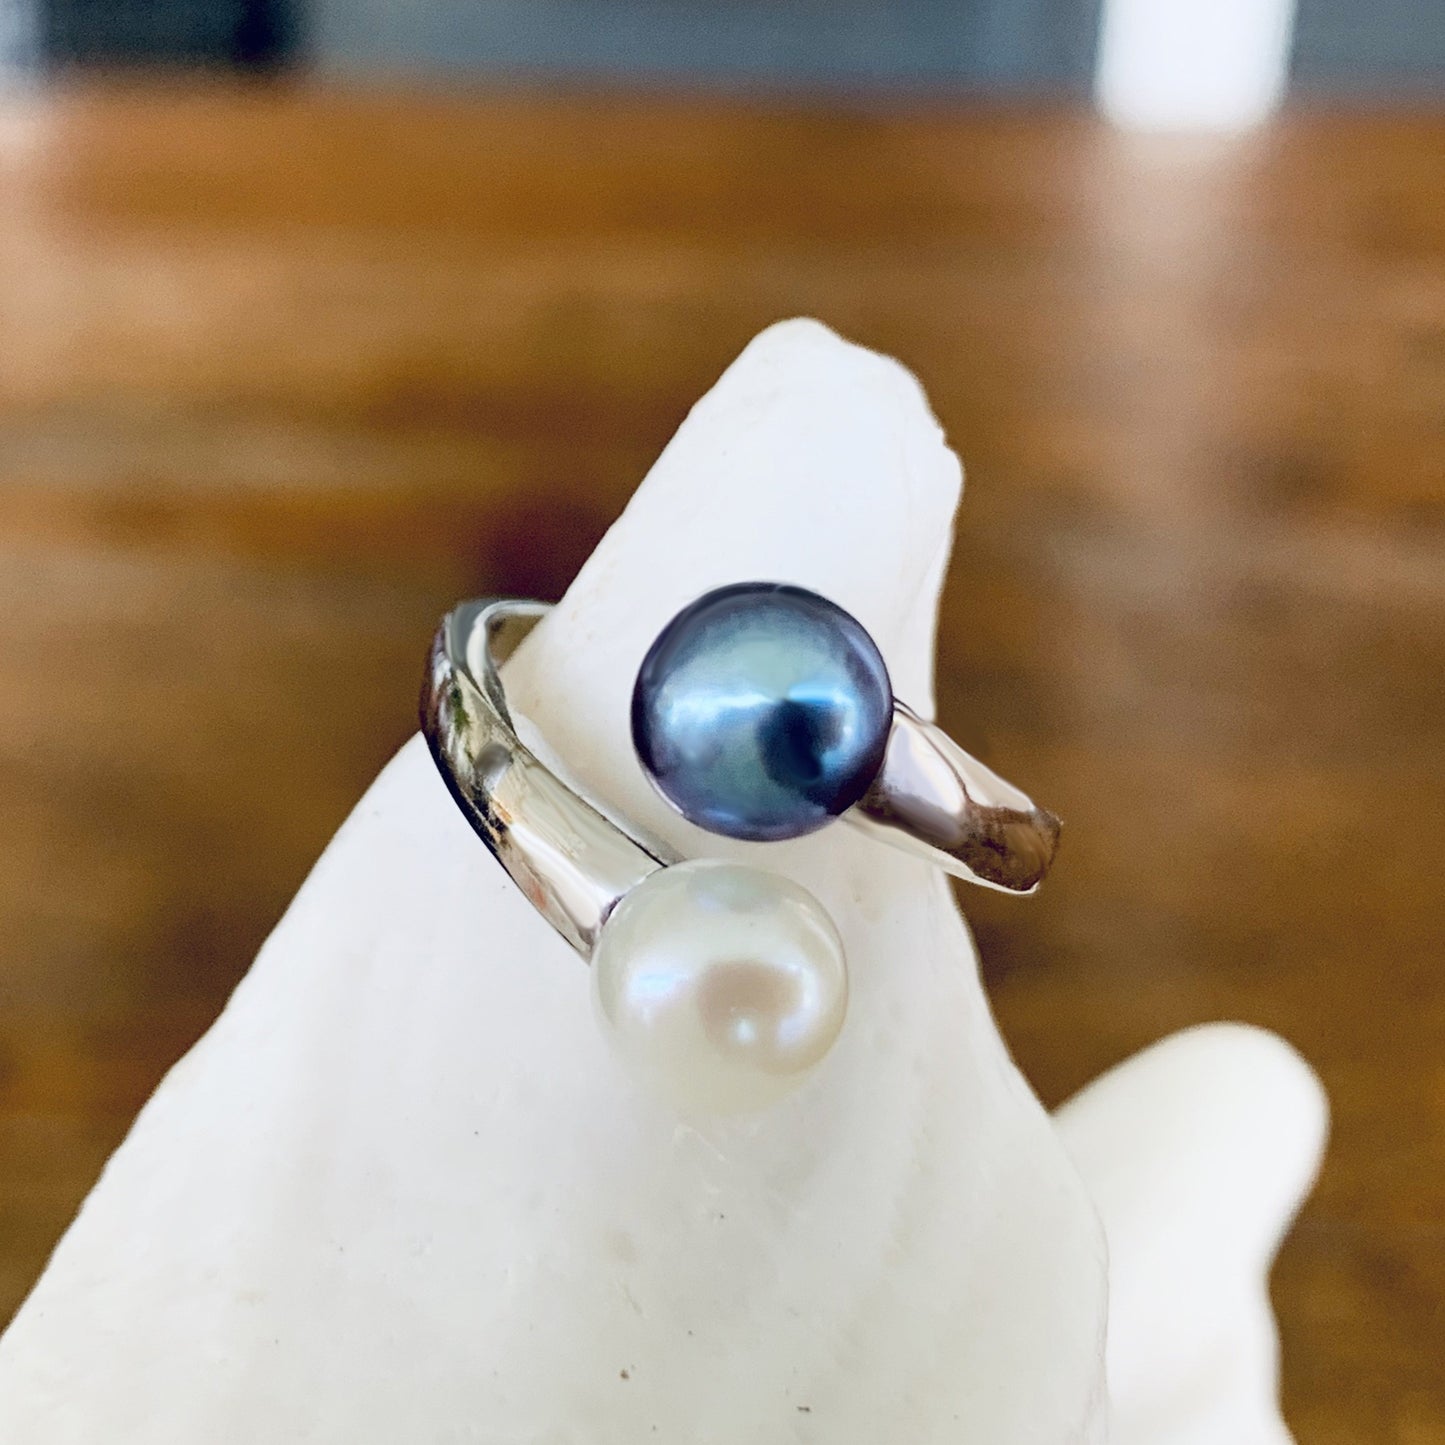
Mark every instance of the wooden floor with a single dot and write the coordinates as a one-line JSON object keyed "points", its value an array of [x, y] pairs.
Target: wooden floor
{"points": [[281, 375]]}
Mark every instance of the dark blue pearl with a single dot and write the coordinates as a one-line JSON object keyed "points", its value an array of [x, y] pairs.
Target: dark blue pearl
{"points": [[762, 711]]}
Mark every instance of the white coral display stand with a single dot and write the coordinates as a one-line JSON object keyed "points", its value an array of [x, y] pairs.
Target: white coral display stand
{"points": [[401, 1191]]}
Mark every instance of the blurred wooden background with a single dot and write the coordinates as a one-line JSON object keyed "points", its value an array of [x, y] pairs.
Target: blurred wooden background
{"points": [[283, 373]]}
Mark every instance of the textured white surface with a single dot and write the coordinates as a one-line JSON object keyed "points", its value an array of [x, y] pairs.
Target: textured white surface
{"points": [[1197, 1151], [402, 1191]]}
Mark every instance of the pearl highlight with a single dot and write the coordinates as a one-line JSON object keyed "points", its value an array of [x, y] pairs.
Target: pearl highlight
{"points": [[721, 984]]}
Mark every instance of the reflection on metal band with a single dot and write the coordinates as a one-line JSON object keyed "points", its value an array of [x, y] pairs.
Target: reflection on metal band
{"points": [[573, 864], [933, 799]]}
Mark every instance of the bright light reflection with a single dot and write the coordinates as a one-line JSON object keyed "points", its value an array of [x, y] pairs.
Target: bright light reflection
{"points": [[1192, 64]]}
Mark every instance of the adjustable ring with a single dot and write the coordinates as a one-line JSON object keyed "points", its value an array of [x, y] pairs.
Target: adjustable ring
{"points": [[762, 711]]}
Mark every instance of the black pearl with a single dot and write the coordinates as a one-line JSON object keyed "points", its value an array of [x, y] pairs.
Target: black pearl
{"points": [[762, 711]]}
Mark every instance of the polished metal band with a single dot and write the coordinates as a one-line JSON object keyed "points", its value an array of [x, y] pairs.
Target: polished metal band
{"points": [[571, 862], [933, 799], [930, 797]]}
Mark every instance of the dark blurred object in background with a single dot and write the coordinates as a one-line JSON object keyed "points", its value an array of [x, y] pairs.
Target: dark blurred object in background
{"points": [[245, 34]]}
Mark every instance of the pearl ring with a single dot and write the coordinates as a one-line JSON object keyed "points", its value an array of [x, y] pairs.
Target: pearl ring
{"points": [[761, 712]]}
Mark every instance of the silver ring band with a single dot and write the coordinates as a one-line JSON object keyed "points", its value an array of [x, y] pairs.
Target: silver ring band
{"points": [[929, 797], [571, 862]]}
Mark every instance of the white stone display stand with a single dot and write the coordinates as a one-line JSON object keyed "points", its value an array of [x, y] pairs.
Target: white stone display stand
{"points": [[401, 1193]]}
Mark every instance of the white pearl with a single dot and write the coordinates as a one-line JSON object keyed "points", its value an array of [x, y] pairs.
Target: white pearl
{"points": [[721, 983]]}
